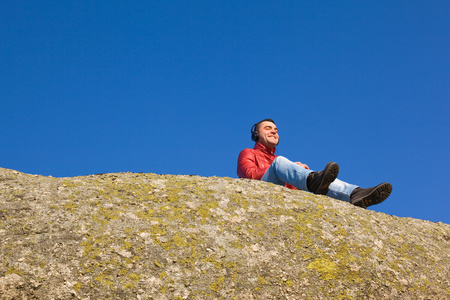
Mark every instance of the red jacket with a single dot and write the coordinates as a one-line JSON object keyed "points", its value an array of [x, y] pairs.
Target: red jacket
{"points": [[253, 163]]}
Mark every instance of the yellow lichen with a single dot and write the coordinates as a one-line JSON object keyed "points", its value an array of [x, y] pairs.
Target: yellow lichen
{"points": [[134, 277], [77, 286], [216, 286], [12, 270], [129, 285], [325, 267]]}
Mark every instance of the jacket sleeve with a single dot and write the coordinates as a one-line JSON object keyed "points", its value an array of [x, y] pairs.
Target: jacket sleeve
{"points": [[247, 167]]}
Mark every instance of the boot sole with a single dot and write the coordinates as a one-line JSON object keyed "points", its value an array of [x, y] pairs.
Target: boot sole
{"points": [[380, 193], [331, 173]]}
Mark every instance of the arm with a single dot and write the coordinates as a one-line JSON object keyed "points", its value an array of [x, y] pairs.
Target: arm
{"points": [[247, 167]]}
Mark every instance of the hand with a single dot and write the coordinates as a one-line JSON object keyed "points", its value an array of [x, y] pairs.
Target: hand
{"points": [[302, 165]]}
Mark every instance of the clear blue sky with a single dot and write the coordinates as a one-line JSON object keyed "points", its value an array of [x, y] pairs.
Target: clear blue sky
{"points": [[173, 87]]}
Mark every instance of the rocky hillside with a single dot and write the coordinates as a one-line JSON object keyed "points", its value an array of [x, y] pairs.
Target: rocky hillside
{"points": [[147, 236]]}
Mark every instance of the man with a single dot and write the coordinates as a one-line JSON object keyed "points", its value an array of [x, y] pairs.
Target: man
{"points": [[261, 163]]}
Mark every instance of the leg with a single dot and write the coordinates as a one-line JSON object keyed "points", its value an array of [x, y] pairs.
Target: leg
{"points": [[283, 171], [357, 196], [340, 190]]}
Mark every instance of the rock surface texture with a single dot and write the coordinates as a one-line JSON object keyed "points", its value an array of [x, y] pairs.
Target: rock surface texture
{"points": [[147, 236]]}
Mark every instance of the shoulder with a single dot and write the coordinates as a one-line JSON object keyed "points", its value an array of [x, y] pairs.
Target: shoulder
{"points": [[246, 152]]}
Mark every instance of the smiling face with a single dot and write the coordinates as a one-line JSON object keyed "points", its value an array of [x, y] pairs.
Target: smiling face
{"points": [[268, 134]]}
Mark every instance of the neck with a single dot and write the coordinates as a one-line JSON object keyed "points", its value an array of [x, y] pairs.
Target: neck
{"points": [[261, 145]]}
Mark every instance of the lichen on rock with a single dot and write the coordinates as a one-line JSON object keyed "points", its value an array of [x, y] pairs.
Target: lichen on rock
{"points": [[148, 236]]}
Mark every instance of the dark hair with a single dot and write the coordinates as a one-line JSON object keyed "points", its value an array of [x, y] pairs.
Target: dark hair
{"points": [[255, 136]]}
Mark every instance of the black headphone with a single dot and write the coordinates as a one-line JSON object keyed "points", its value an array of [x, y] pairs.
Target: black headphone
{"points": [[255, 135]]}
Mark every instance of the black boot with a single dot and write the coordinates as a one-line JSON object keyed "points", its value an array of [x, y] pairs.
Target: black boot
{"points": [[370, 196], [318, 182]]}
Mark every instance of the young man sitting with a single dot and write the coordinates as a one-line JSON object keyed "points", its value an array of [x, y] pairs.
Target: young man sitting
{"points": [[261, 163]]}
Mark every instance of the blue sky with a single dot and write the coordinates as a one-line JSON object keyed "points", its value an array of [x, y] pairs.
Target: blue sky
{"points": [[173, 87]]}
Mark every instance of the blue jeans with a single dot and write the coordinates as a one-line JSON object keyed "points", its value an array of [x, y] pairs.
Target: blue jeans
{"points": [[283, 171]]}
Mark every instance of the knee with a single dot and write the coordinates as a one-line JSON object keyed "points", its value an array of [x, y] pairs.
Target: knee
{"points": [[281, 161]]}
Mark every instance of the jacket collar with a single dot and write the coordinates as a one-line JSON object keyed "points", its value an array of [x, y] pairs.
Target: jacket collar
{"points": [[265, 149]]}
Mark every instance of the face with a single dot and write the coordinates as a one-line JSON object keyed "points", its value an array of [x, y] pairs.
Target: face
{"points": [[268, 134]]}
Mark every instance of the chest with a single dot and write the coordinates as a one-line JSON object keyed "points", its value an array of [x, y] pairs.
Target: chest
{"points": [[264, 160]]}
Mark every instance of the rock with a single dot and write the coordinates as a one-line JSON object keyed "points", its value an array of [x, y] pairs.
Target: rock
{"points": [[148, 236]]}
